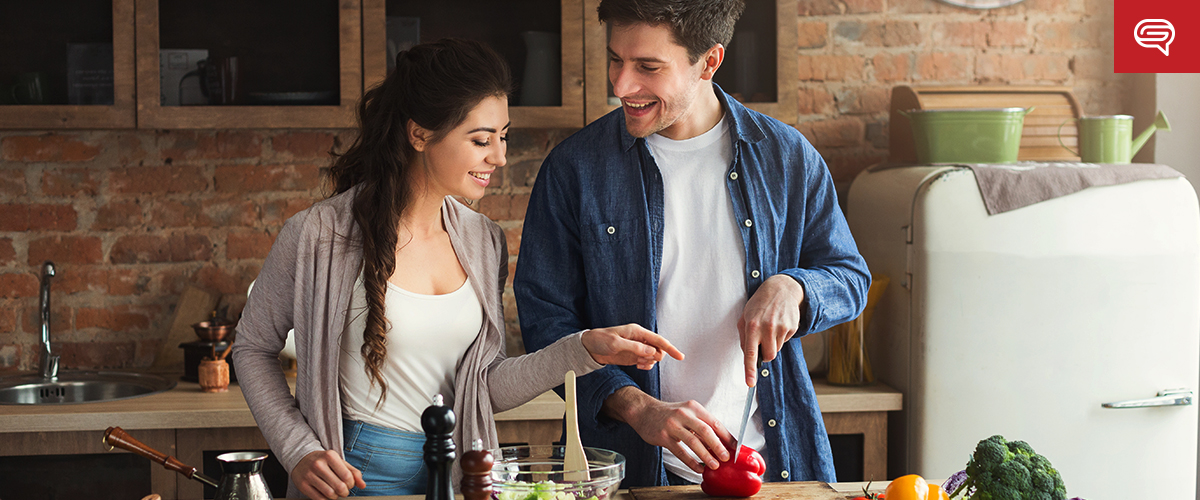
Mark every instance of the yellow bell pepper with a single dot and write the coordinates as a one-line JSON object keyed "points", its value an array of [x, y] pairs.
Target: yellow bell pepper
{"points": [[910, 487]]}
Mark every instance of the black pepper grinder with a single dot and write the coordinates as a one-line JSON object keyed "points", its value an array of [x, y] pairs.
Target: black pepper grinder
{"points": [[477, 472], [438, 423]]}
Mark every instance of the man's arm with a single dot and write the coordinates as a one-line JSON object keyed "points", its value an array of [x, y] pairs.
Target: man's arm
{"points": [[674, 426], [827, 286]]}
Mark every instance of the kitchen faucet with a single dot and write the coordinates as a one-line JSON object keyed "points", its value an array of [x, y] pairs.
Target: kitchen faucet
{"points": [[49, 361]]}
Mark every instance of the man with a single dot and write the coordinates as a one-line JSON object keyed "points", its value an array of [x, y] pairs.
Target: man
{"points": [[716, 226]]}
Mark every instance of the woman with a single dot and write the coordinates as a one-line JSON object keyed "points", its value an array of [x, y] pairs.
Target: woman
{"points": [[394, 291]]}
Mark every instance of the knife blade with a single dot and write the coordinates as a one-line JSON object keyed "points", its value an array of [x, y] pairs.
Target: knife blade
{"points": [[746, 412]]}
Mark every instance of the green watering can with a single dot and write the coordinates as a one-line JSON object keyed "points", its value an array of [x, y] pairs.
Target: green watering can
{"points": [[1108, 139]]}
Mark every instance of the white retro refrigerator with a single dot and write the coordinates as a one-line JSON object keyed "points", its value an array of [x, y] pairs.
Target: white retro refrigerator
{"points": [[1025, 322]]}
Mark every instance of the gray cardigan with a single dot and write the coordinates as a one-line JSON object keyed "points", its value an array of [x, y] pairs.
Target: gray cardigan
{"points": [[305, 284]]}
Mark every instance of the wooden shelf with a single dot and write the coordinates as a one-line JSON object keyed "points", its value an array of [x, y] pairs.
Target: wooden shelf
{"points": [[568, 114], [362, 62], [151, 114], [783, 108], [63, 116]]}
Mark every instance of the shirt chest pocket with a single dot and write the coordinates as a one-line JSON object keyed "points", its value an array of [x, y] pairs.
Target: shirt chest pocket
{"points": [[615, 252]]}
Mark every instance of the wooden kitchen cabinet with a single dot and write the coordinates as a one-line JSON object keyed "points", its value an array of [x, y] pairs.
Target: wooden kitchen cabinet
{"points": [[299, 64], [760, 63], [499, 24], [306, 65], [63, 448], [40, 33]]}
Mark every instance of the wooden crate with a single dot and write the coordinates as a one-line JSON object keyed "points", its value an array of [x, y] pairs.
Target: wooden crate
{"points": [[1039, 138]]}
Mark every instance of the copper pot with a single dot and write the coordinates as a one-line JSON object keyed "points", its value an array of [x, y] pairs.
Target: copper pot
{"points": [[214, 375], [213, 331]]}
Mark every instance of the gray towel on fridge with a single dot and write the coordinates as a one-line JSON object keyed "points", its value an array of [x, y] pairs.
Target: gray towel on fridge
{"points": [[1007, 187]]}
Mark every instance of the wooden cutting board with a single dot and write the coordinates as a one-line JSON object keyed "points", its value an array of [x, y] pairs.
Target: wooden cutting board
{"points": [[195, 305], [801, 490]]}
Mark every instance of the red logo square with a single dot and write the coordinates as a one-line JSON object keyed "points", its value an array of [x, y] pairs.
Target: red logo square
{"points": [[1156, 36]]}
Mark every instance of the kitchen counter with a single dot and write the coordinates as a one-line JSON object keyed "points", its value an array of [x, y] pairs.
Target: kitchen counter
{"points": [[186, 407], [190, 422], [849, 490]]}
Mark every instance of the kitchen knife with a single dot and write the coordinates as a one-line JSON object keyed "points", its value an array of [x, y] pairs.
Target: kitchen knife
{"points": [[746, 412]]}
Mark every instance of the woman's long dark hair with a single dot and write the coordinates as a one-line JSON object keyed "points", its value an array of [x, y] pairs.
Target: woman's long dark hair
{"points": [[435, 85]]}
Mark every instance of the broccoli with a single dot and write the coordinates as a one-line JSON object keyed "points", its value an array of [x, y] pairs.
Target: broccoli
{"points": [[1009, 470]]}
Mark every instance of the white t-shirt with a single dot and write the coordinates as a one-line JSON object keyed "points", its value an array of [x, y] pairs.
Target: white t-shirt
{"points": [[702, 285], [427, 339]]}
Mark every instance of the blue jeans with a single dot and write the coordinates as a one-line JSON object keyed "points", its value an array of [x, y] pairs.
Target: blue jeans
{"points": [[390, 459]]}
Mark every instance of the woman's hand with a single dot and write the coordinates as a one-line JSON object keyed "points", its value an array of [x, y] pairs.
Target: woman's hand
{"points": [[324, 474], [628, 345]]}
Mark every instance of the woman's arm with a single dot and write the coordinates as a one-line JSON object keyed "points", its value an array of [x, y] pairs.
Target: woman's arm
{"points": [[515, 381], [269, 315], [262, 331]]}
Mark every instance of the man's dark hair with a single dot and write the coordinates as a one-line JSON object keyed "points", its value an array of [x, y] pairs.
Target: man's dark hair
{"points": [[697, 25]]}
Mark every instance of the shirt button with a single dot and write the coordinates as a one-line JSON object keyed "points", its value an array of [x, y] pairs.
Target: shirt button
{"points": [[785, 475], [611, 230], [754, 274], [748, 223], [765, 372], [733, 175], [771, 423]]}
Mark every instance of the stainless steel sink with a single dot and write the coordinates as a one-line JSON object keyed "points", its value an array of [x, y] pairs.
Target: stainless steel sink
{"points": [[79, 387]]}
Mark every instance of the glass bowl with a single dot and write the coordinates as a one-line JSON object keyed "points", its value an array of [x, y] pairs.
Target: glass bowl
{"points": [[536, 473]]}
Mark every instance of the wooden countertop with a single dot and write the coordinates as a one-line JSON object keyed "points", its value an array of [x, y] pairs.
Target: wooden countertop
{"points": [[850, 490], [186, 407]]}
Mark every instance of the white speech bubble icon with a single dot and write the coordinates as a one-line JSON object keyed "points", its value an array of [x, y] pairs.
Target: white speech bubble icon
{"points": [[1155, 33]]}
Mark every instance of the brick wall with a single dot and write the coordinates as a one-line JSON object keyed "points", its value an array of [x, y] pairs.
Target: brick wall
{"points": [[852, 52], [132, 217]]}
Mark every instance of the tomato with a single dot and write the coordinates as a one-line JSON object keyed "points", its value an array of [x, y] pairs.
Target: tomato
{"points": [[736, 478], [937, 493], [910, 487]]}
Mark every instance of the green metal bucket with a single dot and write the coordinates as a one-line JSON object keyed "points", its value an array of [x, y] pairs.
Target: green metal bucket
{"points": [[984, 135]]}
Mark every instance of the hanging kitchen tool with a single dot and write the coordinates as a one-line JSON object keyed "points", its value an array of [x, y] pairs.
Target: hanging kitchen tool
{"points": [[241, 477]]}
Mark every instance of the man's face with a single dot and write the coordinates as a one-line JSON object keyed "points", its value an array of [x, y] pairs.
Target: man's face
{"points": [[652, 76]]}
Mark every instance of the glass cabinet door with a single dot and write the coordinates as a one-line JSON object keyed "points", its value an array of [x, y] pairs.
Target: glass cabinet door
{"points": [[542, 41], [239, 64], [759, 67], [66, 64]]}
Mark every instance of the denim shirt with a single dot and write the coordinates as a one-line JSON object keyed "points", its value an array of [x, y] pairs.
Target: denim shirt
{"points": [[591, 252]]}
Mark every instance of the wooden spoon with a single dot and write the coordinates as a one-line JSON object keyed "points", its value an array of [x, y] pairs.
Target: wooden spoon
{"points": [[575, 466]]}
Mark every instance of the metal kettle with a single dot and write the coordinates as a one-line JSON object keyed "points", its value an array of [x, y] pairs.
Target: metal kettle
{"points": [[241, 476], [241, 472]]}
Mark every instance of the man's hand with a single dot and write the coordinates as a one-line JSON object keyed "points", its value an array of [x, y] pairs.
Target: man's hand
{"points": [[323, 474], [674, 426], [771, 317], [628, 345]]}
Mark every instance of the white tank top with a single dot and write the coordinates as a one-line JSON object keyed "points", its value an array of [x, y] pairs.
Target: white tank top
{"points": [[429, 335]]}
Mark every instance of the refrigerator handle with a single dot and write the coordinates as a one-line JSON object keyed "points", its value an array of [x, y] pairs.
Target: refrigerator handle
{"points": [[1169, 397]]}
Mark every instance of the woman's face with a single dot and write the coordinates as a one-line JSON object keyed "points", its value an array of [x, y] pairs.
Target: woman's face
{"points": [[462, 162]]}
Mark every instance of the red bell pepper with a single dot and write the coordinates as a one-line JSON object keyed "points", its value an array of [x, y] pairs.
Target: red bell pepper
{"points": [[737, 478]]}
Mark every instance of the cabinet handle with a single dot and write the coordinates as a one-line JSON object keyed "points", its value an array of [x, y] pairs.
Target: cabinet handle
{"points": [[1168, 397]]}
